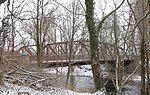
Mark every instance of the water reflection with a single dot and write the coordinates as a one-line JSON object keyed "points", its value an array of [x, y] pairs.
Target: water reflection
{"points": [[86, 84], [77, 83]]}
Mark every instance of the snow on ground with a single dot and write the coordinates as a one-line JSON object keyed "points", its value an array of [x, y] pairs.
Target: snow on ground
{"points": [[136, 78], [84, 70], [10, 89]]}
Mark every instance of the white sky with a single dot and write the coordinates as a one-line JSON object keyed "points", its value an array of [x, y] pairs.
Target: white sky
{"points": [[100, 6]]}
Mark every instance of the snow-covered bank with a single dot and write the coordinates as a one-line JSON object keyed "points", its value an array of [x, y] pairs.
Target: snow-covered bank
{"points": [[10, 89], [84, 70]]}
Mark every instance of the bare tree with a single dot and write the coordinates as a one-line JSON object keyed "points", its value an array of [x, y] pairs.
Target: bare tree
{"points": [[39, 26], [142, 12], [70, 25], [3, 35], [93, 32], [2, 39]]}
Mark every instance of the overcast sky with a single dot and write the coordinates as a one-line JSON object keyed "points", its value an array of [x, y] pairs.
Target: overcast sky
{"points": [[100, 6]]}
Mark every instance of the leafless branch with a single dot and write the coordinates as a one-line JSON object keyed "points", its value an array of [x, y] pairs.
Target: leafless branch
{"points": [[130, 74], [2, 1], [104, 18], [67, 8], [138, 22]]}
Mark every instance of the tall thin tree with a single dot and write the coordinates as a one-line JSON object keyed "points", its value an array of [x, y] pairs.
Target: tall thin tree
{"points": [[93, 33]]}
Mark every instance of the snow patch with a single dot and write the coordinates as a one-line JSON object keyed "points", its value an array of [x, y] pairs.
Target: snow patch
{"points": [[10, 89], [84, 70]]}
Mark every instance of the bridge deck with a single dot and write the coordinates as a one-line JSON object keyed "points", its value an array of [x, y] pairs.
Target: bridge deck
{"points": [[80, 62]]}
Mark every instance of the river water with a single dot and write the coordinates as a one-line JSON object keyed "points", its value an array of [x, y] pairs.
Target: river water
{"points": [[86, 84], [77, 83]]}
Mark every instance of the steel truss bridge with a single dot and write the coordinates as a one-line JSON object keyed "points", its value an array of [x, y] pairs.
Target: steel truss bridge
{"points": [[58, 53]]}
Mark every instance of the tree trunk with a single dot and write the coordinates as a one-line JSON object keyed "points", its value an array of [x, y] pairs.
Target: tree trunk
{"points": [[70, 68], [93, 44], [143, 58], [141, 13], [3, 36], [38, 45], [147, 73], [1, 71], [147, 67], [142, 66], [119, 64]]}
